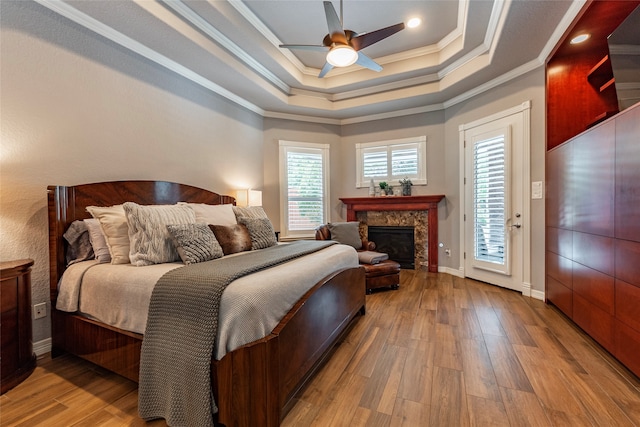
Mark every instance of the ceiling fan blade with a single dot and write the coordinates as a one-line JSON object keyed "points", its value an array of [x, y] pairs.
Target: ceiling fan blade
{"points": [[336, 32], [367, 39], [315, 47], [365, 61], [327, 67]]}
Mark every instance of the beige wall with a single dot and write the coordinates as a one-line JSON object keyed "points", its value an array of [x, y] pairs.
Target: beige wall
{"points": [[78, 109]]}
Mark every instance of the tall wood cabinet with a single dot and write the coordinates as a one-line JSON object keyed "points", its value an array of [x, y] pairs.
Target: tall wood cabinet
{"points": [[593, 233], [593, 190]]}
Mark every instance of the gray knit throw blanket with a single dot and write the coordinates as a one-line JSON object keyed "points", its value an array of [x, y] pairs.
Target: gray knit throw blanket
{"points": [[182, 325]]}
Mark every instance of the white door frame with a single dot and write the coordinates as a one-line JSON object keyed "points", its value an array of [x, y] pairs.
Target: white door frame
{"points": [[525, 167]]}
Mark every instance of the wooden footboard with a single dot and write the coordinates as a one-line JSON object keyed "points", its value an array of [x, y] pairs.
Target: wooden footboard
{"points": [[253, 385], [263, 377]]}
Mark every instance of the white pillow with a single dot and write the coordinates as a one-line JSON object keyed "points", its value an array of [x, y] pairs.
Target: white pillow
{"points": [[98, 241], [113, 223], [150, 240], [213, 214]]}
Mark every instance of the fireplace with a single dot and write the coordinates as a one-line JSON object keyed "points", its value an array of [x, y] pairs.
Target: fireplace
{"points": [[398, 242], [419, 212]]}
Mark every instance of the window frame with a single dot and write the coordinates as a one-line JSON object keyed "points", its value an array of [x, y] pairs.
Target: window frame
{"points": [[306, 147], [361, 148]]}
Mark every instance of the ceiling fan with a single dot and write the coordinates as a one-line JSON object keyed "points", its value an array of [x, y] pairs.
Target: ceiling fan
{"points": [[344, 46]]}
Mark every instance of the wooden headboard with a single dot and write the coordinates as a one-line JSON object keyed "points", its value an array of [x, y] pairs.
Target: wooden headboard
{"points": [[67, 204]]}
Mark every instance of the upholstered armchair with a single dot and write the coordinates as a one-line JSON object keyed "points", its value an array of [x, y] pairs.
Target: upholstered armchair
{"points": [[323, 233], [381, 274]]}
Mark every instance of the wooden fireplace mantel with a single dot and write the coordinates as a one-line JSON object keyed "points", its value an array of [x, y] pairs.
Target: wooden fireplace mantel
{"points": [[402, 203]]}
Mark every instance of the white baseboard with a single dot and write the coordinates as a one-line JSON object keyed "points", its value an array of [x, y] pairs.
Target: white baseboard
{"points": [[42, 347], [537, 295], [527, 291], [452, 271]]}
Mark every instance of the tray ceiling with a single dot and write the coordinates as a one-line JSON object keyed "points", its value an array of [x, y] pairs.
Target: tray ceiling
{"points": [[230, 47]]}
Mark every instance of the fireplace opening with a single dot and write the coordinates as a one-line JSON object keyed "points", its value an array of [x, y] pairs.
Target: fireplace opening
{"points": [[398, 242]]}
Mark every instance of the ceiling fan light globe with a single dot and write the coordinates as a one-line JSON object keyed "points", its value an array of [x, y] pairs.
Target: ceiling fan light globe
{"points": [[342, 56]]}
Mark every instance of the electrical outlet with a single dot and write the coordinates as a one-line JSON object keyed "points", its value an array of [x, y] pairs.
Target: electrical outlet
{"points": [[40, 310], [447, 252]]}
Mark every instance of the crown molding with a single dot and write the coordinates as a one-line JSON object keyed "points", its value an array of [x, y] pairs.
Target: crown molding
{"points": [[571, 14], [191, 16], [302, 118], [325, 101]]}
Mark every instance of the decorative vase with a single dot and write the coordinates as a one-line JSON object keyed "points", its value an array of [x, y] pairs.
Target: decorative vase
{"points": [[372, 189], [406, 189]]}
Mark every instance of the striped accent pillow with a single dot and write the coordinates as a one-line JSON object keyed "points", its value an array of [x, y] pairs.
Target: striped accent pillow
{"points": [[148, 235]]}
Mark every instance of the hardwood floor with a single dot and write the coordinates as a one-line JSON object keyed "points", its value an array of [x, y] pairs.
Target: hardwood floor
{"points": [[440, 351]]}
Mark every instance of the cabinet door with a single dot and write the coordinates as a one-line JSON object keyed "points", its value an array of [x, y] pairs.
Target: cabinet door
{"points": [[628, 176]]}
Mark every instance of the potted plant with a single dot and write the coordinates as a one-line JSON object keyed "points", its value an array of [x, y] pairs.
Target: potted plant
{"points": [[406, 186], [383, 187]]}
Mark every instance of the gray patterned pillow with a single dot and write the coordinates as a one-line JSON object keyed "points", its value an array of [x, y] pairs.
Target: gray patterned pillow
{"points": [[148, 235], [260, 231], [195, 242]]}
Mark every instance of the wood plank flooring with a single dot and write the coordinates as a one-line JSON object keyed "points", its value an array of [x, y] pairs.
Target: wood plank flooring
{"points": [[439, 351]]}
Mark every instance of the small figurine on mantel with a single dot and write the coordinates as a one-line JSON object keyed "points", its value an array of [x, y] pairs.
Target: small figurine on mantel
{"points": [[406, 186]]}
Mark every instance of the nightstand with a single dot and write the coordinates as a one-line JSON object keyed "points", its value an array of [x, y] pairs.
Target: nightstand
{"points": [[17, 359]]}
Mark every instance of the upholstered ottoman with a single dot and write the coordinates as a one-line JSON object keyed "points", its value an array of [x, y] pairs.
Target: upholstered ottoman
{"points": [[385, 274]]}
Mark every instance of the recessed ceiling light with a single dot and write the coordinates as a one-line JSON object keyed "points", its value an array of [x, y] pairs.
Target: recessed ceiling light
{"points": [[414, 22], [580, 38]]}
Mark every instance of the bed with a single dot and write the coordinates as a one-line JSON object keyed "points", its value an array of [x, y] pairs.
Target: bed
{"points": [[252, 385]]}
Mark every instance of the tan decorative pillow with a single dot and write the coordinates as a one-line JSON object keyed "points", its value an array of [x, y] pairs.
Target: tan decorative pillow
{"points": [[150, 240], [213, 214], [113, 223], [233, 238]]}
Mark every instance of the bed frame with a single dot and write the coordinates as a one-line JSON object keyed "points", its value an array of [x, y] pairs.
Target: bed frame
{"points": [[254, 385]]}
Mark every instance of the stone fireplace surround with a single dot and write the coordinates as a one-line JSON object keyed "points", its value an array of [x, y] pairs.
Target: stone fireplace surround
{"points": [[420, 212]]}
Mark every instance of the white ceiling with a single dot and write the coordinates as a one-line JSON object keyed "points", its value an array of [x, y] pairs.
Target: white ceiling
{"points": [[462, 48]]}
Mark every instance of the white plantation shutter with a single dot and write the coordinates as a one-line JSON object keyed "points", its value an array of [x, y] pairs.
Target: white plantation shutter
{"points": [[404, 161], [304, 187], [392, 161], [304, 190], [489, 193], [375, 163]]}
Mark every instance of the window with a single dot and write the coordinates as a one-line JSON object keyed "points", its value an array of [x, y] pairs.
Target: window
{"points": [[304, 188], [392, 161]]}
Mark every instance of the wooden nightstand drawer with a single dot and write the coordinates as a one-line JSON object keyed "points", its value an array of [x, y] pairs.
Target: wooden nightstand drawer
{"points": [[17, 360]]}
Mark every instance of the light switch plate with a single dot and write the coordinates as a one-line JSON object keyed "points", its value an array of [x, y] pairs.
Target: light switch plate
{"points": [[536, 190]]}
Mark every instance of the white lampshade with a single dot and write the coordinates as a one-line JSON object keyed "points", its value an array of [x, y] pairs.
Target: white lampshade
{"points": [[342, 56], [248, 198]]}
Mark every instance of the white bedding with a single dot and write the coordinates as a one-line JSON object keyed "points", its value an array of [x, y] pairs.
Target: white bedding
{"points": [[250, 308]]}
